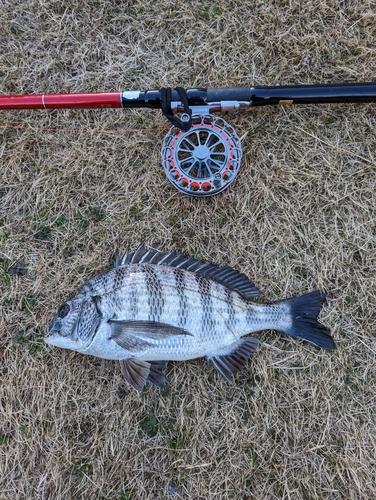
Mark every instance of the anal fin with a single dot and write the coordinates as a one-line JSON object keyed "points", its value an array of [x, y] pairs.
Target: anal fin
{"points": [[137, 372], [234, 361]]}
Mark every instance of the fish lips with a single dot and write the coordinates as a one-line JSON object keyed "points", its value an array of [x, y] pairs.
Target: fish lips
{"points": [[58, 340], [53, 331], [50, 327], [48, 339]]}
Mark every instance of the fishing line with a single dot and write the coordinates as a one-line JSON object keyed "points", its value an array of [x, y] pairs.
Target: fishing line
{"points": [[69, 130]]}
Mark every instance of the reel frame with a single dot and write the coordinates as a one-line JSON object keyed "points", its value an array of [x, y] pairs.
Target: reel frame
{"points": [[204, 160]]}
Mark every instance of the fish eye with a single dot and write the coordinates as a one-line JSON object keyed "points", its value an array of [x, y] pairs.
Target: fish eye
{"points": [[63, 310]]}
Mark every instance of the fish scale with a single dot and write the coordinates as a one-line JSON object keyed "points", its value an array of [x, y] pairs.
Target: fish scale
{"points": [[152, 307], [154, 292], [180, 288], [206, 303]]}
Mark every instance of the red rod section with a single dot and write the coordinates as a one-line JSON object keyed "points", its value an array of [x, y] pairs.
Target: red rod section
{"points": [[56, 101]]}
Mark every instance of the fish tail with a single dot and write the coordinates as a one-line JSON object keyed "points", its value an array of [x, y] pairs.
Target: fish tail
{"points": [[304, 311]]}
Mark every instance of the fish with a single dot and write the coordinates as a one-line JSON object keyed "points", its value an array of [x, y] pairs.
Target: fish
{"points": [[153, 307]]}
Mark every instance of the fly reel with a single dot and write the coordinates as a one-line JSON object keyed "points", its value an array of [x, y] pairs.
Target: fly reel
{"points": [[204, 160]]}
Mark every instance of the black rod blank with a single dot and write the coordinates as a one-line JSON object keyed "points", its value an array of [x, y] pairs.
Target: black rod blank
{"points": [[261, 95]]}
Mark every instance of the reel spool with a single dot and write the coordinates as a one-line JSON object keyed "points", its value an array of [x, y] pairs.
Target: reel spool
{"points": [[204, 160]]}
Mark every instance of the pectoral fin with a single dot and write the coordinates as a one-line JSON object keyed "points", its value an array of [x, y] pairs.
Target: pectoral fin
{"points": [[136, 336], [137, 372], [235, 360]]}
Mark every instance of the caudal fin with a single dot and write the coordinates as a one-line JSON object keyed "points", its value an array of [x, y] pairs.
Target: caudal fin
{"points": [[304, 311]]}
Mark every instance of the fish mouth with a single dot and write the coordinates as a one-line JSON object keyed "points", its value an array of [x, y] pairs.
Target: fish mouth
{"points": [[51, 333]]}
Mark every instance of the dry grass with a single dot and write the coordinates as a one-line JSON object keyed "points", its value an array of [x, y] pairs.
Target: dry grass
{"points": [[299, 423]]}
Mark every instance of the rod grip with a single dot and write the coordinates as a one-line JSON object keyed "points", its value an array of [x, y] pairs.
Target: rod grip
{"points": [[314, 94]]}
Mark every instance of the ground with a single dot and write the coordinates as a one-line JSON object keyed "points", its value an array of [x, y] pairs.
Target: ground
{"points": [[299, 422]]}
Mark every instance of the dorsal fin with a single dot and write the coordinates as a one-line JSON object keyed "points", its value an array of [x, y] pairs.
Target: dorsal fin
{"points": [[226, 276]]}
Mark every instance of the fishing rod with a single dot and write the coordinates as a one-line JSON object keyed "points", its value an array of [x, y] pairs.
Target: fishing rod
{"points": [[201, 153]]}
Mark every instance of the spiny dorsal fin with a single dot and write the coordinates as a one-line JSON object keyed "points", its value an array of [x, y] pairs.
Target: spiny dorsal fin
{"points": [[235, 360], [226, 276]]}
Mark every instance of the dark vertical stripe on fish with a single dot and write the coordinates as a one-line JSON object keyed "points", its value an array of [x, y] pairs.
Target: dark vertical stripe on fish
{"points": [[249, 315], [204, 288], [155, 295], [183, 302], [230, 308]]}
